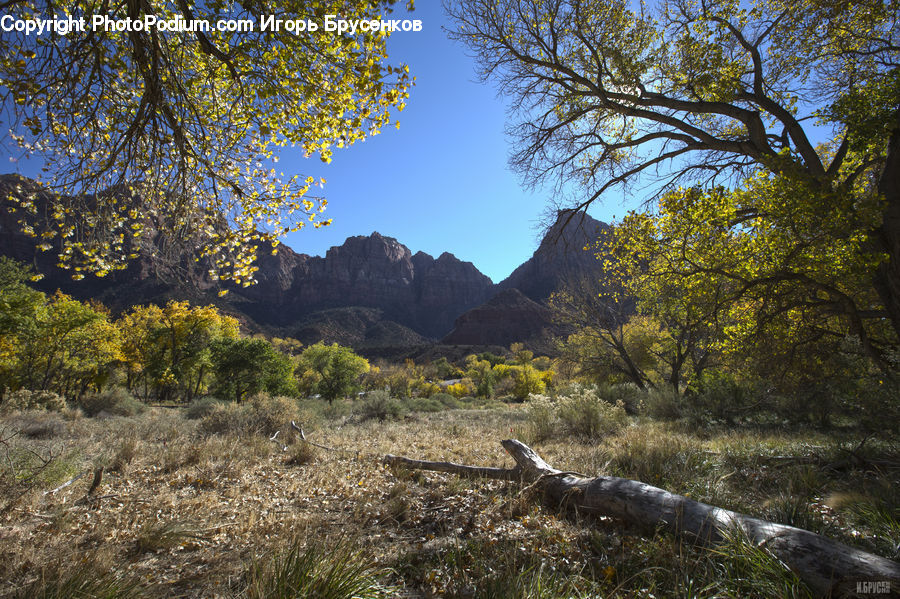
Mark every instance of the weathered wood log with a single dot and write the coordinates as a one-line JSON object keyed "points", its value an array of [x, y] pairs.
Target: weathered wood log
{"points": [[826, 566]]}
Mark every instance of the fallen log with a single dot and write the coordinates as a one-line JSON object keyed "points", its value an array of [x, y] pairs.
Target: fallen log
{"points": [[828, 567]]}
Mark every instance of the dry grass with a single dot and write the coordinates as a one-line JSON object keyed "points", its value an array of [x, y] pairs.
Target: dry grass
{"points": [[183, 512]]}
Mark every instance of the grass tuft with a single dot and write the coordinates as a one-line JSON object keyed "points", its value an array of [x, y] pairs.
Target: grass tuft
{"points": [[82, 582], [316, 571]]}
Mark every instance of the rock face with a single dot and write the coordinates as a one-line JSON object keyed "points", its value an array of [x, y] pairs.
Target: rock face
{"points": [[415, 296], [147, 278], [369, 292], [508, 317], [560, 257], [374, 271]]}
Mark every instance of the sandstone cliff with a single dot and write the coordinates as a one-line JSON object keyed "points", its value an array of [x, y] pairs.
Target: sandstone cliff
{"points": [[415, 295]]}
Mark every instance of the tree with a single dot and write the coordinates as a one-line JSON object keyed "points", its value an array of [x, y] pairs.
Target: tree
{"points": [[332, 371], [244, 367], [153, 132], [60, 344], [712, 92], [482, 374], [167, 350], [602, 345], [788, 283], [19, 305]]}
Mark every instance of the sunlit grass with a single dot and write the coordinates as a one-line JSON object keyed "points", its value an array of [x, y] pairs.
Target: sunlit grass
{"points": [[190, 510]]}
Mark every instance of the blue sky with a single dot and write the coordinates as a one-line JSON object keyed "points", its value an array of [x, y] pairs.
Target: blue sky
{"points": [[441, 182]]}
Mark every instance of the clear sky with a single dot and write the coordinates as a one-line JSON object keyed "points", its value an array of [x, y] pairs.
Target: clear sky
{"points": [[441, 182]]}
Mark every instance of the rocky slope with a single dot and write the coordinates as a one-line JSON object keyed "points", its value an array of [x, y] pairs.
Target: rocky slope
{"points": [[508, 317], [417, 291], [560, 257]]}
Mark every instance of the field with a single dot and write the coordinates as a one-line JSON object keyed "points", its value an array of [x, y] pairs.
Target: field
{"points": [[212, 507]]}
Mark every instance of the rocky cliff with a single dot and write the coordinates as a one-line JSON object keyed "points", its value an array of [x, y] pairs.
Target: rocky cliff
{"points": [[518, 312], [417, 291], [370, 292], [415, 295], [560, 257]]}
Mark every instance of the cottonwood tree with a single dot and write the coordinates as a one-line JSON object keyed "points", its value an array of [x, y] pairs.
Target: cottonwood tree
{"points": [[167, 350], [711, 93], [174, 135], [332, 371], [51, 343], [244, 367]]}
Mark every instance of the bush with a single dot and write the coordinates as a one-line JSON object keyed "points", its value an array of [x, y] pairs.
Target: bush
{"points": [[463, 388], [664, 404], [115, 401], [628, 393], [527, 380], [38, 424], [725, 398], [269, 414], [542, 421], [24, 399], [261, 415], [199, 408], [301, 454], [226, 418], [447, 400], [380, 405], [584, 413], [424, 404]]}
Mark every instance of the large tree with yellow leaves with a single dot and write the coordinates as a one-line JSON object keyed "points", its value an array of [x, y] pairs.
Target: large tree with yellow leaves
{"points": [[179, 131]]}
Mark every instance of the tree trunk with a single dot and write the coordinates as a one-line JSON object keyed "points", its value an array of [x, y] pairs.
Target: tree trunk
{"points": [[826, 566], [887, 278]]}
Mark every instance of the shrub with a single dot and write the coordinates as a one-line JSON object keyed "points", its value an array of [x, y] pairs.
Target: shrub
{"points": [[461, 389], [23, 399], [269, 414], [38, 425], [527, 380], [380, 405], [664, 404], [447, 400], [199, 408], [115, 401], [584, 413], [628, 393], [542, 419], [224, 419], [301, 454], [424, 404], [262, 414], [726, 398]]}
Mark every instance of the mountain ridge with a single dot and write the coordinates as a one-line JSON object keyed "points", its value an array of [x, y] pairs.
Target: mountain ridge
{"points": [[370, 291]]}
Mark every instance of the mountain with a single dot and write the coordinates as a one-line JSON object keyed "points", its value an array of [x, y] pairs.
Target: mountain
{"points": [[561, 256], [371, 292], [417, 291], [506, 318], [518, 311], [400, 298]]}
